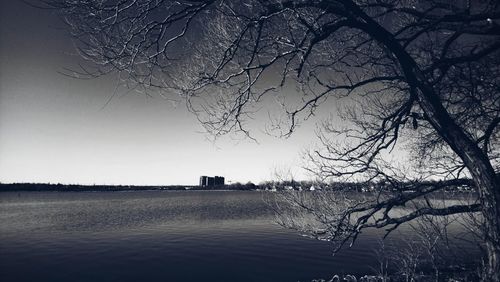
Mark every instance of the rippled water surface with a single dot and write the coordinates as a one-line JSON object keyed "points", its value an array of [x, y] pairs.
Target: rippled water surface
{"points": [[160, 236]]}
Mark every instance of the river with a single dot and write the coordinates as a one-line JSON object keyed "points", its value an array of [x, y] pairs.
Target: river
{"points": [[162, 236]]}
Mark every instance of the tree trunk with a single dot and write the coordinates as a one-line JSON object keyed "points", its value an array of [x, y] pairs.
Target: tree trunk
{"points": [[490, 209], [476, 161], [489, 195], [478, 164]]}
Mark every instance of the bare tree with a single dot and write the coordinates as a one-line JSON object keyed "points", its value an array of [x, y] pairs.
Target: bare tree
{"points": [[426, 71]]}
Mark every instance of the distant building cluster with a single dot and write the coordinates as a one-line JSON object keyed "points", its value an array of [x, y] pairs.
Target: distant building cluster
{"points": [[207, 181]]}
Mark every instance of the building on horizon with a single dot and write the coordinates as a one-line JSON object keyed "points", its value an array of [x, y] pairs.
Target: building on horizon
{"points": [[203, 181], [207, 181], [219, 181]]}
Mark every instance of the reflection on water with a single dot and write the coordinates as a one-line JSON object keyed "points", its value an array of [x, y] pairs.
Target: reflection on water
{"points": [[161, 236]]}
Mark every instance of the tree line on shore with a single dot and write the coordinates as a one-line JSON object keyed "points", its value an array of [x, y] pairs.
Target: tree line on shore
{"points": [[96, 188], [249, 186]]}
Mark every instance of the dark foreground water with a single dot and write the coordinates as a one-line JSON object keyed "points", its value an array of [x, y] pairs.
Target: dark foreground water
{"points": [[161, 236]]}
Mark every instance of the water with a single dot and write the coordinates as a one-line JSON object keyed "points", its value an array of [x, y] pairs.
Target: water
{"points": [[161, 236]]}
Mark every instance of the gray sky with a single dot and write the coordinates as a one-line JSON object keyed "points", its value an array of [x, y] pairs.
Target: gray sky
{"points": [[53, 128]]}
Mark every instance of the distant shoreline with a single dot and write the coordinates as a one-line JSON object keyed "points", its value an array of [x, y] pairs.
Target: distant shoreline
{"points": [[346, 187], [43, 187]]}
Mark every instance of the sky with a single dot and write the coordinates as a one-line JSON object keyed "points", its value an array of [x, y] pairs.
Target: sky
{"points": [[57, 129]]}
